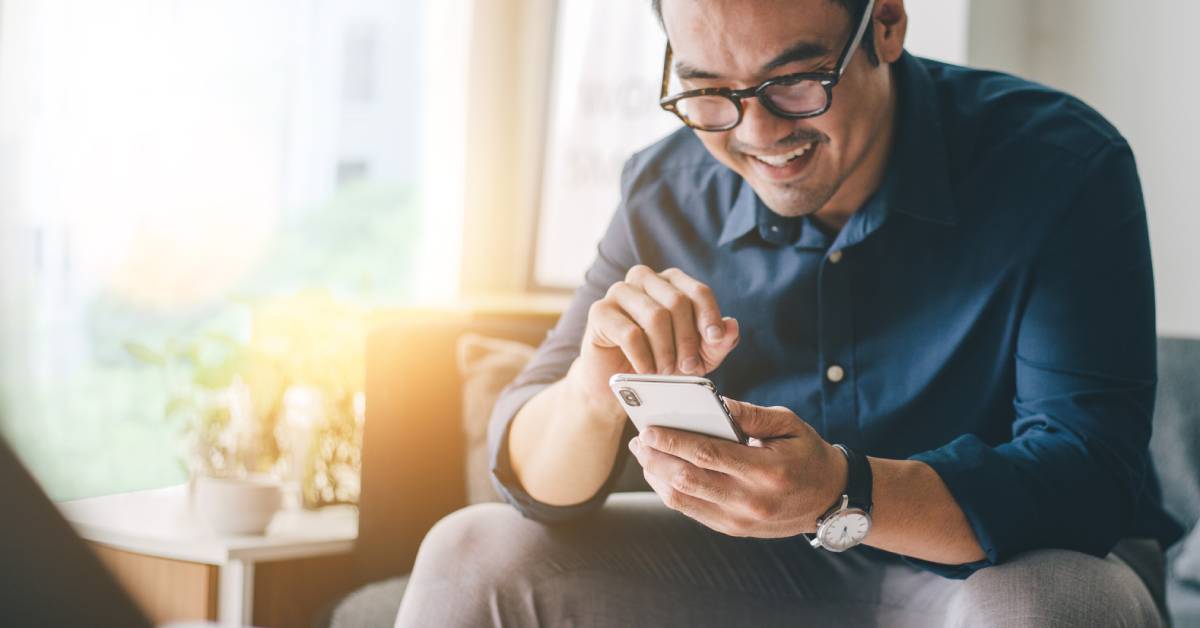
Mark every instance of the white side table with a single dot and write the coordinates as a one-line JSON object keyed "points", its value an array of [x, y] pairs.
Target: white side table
{"points": [[160, 524]]}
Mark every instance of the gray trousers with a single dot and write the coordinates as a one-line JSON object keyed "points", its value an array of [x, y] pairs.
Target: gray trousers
{"points": [[637, 563]]}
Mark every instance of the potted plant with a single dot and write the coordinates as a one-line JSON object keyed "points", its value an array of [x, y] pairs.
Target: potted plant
{"points": [[284, 406]]}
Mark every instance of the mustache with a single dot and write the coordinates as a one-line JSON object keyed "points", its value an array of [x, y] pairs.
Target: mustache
{"points": [[797, 138]]}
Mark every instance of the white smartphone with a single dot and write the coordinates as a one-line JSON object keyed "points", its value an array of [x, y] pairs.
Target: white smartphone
{"points": [[681, 402]]}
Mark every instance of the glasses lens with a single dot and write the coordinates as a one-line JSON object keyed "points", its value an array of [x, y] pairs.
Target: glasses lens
{"points": [[708, 112], [799, 97]]}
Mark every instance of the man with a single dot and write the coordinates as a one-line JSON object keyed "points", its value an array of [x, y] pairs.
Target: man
{"points": [[941, 271]]}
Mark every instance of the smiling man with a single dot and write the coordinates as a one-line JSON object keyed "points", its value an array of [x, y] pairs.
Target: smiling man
{"points": [[926, 291]]}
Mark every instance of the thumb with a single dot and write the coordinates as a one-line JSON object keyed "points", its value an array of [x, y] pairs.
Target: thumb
{"points": [[714, 352], [762, 422]]}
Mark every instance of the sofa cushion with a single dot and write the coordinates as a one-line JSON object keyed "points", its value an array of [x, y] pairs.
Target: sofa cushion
{"points": [[1175, 445], [1187, 564], [486, 365]]}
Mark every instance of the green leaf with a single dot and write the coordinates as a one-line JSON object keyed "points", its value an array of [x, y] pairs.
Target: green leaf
{"points": [[178, 404], [145, 354], [215, 377]]}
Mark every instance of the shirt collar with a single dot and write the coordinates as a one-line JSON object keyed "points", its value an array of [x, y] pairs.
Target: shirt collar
{"points": [[742, 217], [919, 161], [917, 177]]}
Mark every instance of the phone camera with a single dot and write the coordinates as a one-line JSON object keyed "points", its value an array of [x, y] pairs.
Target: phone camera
{"points": [[630, 397]]}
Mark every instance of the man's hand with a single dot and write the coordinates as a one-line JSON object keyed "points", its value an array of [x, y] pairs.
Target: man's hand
{"points": [[664, 323], [775, 487]]}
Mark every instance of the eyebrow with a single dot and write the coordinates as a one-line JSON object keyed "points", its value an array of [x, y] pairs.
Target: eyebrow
{"points": [[800, 51]]}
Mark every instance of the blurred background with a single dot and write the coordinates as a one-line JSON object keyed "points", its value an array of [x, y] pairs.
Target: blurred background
{"points": [[205, 204]]}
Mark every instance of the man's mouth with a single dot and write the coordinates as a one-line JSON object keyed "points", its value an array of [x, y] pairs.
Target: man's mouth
{"points": [[779, 161], [784, 165]]}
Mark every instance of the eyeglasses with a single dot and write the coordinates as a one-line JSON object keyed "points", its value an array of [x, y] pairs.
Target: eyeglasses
{"points": [[800, 95]]}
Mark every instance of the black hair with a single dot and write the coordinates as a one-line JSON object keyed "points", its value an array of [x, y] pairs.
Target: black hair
{"points": [[854, 7]]}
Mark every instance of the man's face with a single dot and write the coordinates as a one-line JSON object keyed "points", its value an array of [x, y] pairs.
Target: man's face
{"points": [[797, 166]]}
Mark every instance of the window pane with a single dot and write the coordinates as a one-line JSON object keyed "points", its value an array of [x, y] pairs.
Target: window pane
{"points": [[183, 182]]}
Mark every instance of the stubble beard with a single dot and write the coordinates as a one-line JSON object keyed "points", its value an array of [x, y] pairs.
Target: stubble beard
{"points": [[794, 200]]}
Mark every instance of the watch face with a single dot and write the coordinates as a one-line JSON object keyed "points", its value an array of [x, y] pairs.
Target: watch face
{"points": [[844, 529]]}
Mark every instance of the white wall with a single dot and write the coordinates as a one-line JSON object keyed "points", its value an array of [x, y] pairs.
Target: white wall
{"points": [[937, 29], [1132, 61]]}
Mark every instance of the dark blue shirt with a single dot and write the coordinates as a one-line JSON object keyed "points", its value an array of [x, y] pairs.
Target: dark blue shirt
{"points": [[991, 307]]}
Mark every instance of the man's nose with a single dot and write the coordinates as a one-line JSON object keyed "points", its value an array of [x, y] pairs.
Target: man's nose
{"points": [[761, 128]]}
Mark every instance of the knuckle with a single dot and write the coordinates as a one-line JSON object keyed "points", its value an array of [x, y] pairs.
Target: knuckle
{"points": [[614, 289], [736, 466], [776, 478], [599, 308], [683, 479], [637, 270], [675, 302], [631, 334], [673, 499], [677, 500], [660, 316], [706, 453], [702, 291], [760, 509]]}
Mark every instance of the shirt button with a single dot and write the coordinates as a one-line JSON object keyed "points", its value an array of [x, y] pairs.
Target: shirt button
{"points": [[774, 228], [835, 373], [835, 256]]}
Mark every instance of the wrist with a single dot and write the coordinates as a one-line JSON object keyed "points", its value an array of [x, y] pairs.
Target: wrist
{"points": [[833, 486], [600, 406]]}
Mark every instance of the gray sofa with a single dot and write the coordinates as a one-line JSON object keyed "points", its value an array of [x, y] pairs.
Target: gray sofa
{"points": [[416, 448]]}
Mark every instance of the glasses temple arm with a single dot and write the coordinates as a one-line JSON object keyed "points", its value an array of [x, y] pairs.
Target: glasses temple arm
{"points": [[666, 75], [852, 45]]}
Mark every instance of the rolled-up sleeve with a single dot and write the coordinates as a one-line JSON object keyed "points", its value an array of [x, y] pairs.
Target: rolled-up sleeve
{"points": [[1074, 473], [615, 255]]}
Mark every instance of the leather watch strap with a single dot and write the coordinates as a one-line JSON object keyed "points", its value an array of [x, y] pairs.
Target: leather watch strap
{"points": [[858, 479]]}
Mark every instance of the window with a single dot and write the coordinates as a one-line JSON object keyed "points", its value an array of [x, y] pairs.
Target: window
{"points": [[173, 171], [603, 108]]}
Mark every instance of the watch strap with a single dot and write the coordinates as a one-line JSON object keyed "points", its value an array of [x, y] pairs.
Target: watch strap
{"points": [[859, 480]]}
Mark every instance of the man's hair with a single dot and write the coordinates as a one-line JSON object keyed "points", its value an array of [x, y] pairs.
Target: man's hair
{"points": [[853, 7]]}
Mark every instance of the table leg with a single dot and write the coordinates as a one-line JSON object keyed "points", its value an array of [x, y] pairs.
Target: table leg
{"points": [[235, 606]]}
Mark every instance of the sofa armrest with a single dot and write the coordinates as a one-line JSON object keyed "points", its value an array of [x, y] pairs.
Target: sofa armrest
{"points": [[413, 462]]}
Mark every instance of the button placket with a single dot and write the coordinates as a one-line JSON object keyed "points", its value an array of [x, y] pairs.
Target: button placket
{"points": [[835, 302]]}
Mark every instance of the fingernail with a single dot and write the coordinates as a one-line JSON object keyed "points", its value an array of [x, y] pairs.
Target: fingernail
{"points": [[714, 332], [690, 365], [633, 445], [647, 437]]}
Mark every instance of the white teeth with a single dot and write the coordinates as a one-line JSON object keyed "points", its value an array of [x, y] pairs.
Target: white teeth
{"points": [[779, 161]]}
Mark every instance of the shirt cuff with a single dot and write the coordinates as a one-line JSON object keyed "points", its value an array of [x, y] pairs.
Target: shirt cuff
{"points": [[506, 482], [980, 483]]}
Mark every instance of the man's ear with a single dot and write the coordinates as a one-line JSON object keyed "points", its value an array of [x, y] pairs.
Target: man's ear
{"points": [[891, 23]]}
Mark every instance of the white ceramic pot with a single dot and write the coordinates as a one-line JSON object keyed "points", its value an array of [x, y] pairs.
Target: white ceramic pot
{"points": [[237, 505]]}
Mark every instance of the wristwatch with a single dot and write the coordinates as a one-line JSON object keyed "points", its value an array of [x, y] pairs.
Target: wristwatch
{"points": [[848, 521]]}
